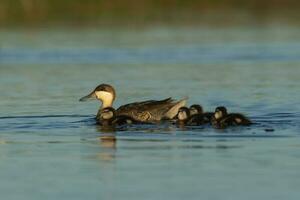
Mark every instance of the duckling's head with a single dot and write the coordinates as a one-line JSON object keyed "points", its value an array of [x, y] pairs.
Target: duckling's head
{"points": [[104, 92], [196, 109], [107, 113], [183, 113], [220, 112]]}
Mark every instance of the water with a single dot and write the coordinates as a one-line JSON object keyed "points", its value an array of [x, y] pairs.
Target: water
{"points": [[50, 147]]}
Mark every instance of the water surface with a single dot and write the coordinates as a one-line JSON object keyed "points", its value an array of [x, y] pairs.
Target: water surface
{"points": [[50, 147]]}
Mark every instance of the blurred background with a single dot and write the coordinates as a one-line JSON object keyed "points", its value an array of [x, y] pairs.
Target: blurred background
{"points": [[82, 43], [41, 13]]}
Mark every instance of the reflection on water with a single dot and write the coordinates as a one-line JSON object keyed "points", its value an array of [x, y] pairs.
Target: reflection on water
{"points": [[108, 144], [50, 143]]}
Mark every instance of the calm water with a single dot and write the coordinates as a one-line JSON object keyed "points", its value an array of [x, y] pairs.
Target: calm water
{"points": [[50, 147]]}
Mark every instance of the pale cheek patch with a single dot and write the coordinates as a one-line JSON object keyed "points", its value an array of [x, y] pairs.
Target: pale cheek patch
{"points": [[106, 98], [218, 115], [238, 120], [182, 115], [107, 115], [103, 95]]}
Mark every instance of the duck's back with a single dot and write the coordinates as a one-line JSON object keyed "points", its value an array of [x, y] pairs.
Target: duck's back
{"points": [[198, 119], [147, 111], [237, 119], [122, 120], [208, 116]]}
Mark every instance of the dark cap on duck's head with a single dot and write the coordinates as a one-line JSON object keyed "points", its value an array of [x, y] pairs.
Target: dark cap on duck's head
{"points": [[104, 92], [196, 109], [107, 113], [105, 88], [220, 112], [183, 113]]}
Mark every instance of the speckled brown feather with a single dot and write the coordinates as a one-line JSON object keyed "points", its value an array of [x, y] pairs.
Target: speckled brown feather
{"points": [[149, 111]]}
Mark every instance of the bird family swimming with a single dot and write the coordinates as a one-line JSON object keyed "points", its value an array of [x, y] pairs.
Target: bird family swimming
{"points": [[184, 117], [222, 119], [152, 111], [107, 117], [144, 111]]}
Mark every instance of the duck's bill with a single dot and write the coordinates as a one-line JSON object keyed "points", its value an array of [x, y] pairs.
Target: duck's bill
{"points": [[88, 97]]}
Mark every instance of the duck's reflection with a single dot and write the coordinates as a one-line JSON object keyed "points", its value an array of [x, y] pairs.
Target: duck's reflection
{"points": [[107, 141]]}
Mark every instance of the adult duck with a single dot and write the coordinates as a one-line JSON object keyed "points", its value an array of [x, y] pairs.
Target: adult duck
{"points": [[144, 111]]}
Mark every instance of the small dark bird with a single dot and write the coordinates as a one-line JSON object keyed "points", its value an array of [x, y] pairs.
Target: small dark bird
{"points": [[108, 117], [197, 109], [222, 119], [184, 117]]}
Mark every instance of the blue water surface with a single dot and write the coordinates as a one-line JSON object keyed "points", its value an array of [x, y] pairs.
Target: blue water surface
{"points": [[51, 148]]}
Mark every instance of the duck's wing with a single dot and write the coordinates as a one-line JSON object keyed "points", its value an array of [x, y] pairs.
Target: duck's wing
{"points": [[173, 110], [222, 123], [197, 119], [207, 116], [122, 120], [142, 105], [239, 119], [151, 110]]}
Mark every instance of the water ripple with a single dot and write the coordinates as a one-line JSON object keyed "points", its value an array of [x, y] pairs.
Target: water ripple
{"points": [[267, 125]]}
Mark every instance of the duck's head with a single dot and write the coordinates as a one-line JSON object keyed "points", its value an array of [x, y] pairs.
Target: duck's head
{"points": [[183, 113], [196, 109], [107, 113], [220, 112], [104, 92]]}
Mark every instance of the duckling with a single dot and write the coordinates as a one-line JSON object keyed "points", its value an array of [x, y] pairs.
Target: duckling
{"points": [[184, 117], [145, 111], [197, 109], [222, 119], [107, 117]]}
